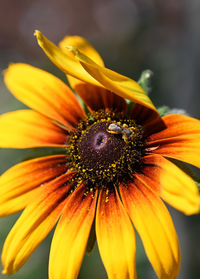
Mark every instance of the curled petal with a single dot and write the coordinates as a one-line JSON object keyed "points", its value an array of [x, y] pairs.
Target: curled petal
{"points": [[94, 97], [93, 73], [69, 65], [119, 84]]}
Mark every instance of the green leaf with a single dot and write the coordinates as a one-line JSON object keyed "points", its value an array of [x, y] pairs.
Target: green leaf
{"points": [[145, 81], [165, 110]]}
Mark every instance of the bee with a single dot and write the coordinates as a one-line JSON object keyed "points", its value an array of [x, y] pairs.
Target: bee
{"points": [[124, 130]]}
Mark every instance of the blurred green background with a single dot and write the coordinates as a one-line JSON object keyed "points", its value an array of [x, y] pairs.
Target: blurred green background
{"points": [[131, 35]]}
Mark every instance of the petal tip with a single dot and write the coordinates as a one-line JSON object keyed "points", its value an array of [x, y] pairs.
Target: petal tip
{"points": [[39, 37], [37, 33], [78, 54], [72, 49], [196, 210]]}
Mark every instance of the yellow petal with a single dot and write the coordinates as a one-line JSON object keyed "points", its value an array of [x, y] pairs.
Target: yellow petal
{"points": [[27, 129], [44, 93], [66, 63], [115, 237], [155, 227], [71, 235], [119, 84], [18, 185], [174, 186], [35, 223]]}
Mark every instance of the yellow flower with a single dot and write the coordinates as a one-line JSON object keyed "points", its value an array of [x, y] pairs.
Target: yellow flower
{"points": [[114, 169]]}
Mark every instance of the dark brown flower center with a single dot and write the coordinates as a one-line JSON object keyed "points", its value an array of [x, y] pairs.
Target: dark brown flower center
{"points": [[105, 148], [98, 148]]}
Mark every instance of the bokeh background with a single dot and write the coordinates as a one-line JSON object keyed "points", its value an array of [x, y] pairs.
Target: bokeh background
{"points": [[131, 35]]}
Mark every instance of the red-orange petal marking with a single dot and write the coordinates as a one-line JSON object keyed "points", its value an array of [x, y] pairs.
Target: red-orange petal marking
{"points": [[149, 119], [18, 184], [97, 98], [27, 129], [71, 235], [35, 223], [155, 227], [115, 237], [180, 139], [44, 93]]}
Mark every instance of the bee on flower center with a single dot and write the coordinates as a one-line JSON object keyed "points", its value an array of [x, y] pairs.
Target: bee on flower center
{"points": [[124, 130]]}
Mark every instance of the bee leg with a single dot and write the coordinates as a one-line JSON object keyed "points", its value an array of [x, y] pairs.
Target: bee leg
{"points": [[125, 138]]}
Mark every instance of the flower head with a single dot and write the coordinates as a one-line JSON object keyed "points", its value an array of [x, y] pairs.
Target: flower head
{"points": [[114, 170]]}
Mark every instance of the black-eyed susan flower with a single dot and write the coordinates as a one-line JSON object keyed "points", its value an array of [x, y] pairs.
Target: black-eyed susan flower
{"points": [[114, 171]]}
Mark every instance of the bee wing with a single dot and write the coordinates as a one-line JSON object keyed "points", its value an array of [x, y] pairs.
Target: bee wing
{"points": [[115, 128]]}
